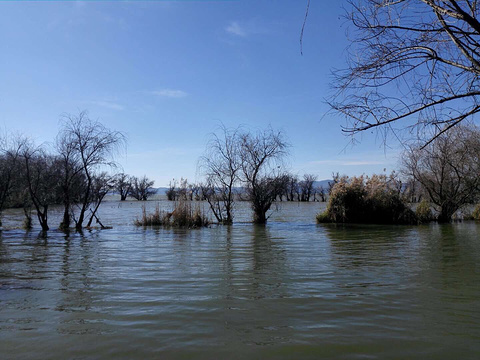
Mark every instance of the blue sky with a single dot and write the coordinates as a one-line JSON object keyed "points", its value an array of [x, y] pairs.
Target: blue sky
{"points": [[167, 73]]}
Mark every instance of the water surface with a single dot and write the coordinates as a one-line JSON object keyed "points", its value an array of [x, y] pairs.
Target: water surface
{"points": [[291, 289]]}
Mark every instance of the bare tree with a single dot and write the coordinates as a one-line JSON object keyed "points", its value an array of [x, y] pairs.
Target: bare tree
{"points": [[71, 170], [43, 181], [306, 186], [261, 157], [292, 188], [85, 145], [413, 64], [172, 192], [101, 185], [123, 185], [142, 188], [322, 193], [447, 169], [221, 166], [11, 148], [283, 183]]}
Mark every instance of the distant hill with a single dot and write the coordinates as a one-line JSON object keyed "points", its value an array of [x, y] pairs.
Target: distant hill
{"points": [[161, 190], [322, 183], [317, 184]]}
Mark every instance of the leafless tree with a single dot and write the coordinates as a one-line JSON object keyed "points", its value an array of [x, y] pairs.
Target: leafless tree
{"points": [[283, 182], [221, 166], [322, 192], [172, 192], [85, 145], [142, 188], [292, 188], [413, 65], [42, 174], [448, 169], [306, 186], [261, 156], [11, 148], [101, 185], [123, 185], [195, 190]]}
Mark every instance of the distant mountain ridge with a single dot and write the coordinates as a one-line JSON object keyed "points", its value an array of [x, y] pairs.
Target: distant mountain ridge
{"points": [[318, 184]]}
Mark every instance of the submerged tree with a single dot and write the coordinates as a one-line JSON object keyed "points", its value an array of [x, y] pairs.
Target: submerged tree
{"points": [[221, 166], [123, 184], [172, 191], [42, 174], [84, 146], [415, 63], [261, 156], [142, 188], [447, 169], [306, 186], [10, 166], [101, 185]]}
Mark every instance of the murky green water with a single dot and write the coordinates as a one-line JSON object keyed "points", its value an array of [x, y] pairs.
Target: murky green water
{"points": [[290, 290]]}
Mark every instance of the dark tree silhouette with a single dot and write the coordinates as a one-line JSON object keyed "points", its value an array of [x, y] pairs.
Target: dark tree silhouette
{"points": [[412, 65], [261, 161], [123, 185], [221, 166], [84, 146], [142, 188]]}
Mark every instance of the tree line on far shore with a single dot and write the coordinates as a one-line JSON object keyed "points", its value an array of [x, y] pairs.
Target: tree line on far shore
{"points": [[238, 165]]}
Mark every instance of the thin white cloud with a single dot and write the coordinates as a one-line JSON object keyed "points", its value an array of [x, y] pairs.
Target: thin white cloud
{"points": [[108, 104], [358, 163], [169, 93], [236, 29], [347, 162]]}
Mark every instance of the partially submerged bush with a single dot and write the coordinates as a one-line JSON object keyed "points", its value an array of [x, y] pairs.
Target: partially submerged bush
{"points": [[476, 212], [373, 200], [184, 215], [424, 212], [323, 217]]}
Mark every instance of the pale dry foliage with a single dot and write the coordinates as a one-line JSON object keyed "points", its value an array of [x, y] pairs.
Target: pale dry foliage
{"points": [[364, 199]]}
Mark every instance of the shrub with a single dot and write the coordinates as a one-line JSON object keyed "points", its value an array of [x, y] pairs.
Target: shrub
{"points": [[323, 217], [367, 200], [423, 212]]}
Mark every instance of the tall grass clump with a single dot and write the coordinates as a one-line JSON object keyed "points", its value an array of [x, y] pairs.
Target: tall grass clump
{"points": [[372, 200], [424, 212], [184, 215], [157, 218]]}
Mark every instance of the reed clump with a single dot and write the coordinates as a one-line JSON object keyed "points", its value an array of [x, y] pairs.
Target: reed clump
{"points": [[183, 216], [369, 200]]}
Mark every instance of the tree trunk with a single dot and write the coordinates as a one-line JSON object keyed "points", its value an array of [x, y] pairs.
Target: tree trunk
{"points": [[446, 213], [65, 224]]}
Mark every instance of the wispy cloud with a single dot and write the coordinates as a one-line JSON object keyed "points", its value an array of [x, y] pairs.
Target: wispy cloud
{"points": [[108, 104], [236, 29], [169, 93], [347, 162]]}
